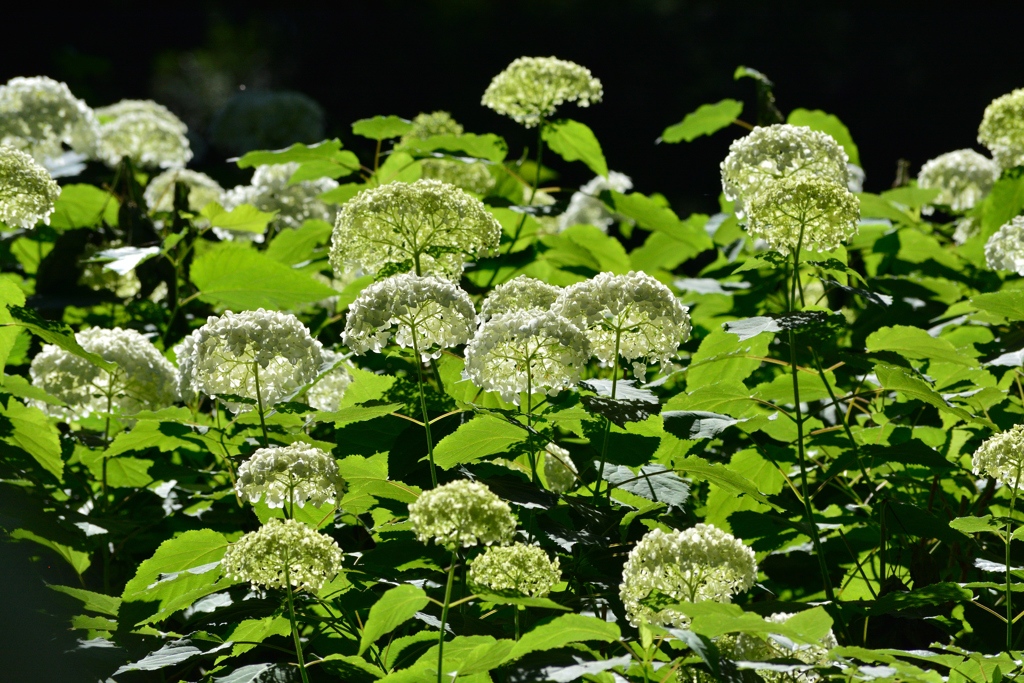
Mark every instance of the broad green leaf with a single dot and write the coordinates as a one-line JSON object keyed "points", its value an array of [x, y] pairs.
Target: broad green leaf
{"points": [[165, 436], [324, 159], [393, 609], [292, 247], [911, 197], [574, 141], [700, 468], [243, 218], [722, 357], [898, 379], [916, 344], [489, 146], [469, 655], [1008, 303], [309, 514], [78, 560], [342, 193], [254, 631], [926, 596], [713, 619], [30, 253], [562, 630], [1005, 201], [873, 206], [16, 385], [653, 217], [10, 293], [607, 251], [351, 668], [344, 416], [480, 437], [234, 275], [367, 480], [172, 654], [56, 333], [83, 206], [501, 599], [382, 127], [707, 119], [661, 251], [29, 429], [366, 386], [125, 472], [92, 602], [826, 123]]}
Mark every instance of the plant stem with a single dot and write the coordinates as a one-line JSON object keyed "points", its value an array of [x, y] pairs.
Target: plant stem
{"points": [[840, 415], [444, 616], [516, 608], [259, 403], [1009, 593], [529, 423], [291, 617], [423, 404], [608, 422], [536, 182]]}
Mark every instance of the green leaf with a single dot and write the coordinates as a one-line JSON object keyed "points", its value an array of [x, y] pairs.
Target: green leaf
{"points": [[912, 197], [722, 357], [708, 119], [826, 123], [574, 141], [127, 472], [342, 193], [510, 599], [926, 596], [324, 159], [78, 560], [480, 437], [898, 379], [562, 630], [916, 344], [607, 251], [366, 386], [92, 602], [242, 218], [292, 247], [393, 609], [873, 206], [1008, 303], [56, 333], [653, 217], [1005, 201], [382, 127], [469, 655], [309, 514], [83, 206], [29, 429], [351, 414], [234, 275], [713, 619], [182, 570], [721, 476], [489, 146], [10, 293]]}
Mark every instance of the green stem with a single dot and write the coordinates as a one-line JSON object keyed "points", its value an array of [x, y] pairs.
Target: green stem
{"points": [[259, 403], [516, 608], [291, 617], [444, 617], [607, 422], [423, 404], [529, 423], [840, 414], [1009, 593]]}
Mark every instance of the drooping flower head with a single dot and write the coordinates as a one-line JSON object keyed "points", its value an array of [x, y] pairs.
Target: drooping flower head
{"points": [[633, 316], [529, 350], [559, 469], [699, 564], [532, 88], [1005, 248], [202, 189], [330, 388], [39, 115], [270, 190], [461, 514], [142, 380], [290, 475], [230, 353], [584, 206], [963, 178], [27, 192], [753, 649], [427, 311], [814, 213], [776, 152], [427, 227], [1002, 457], [143, 131], [260, 557], [518, 294], [1002, 129], [518, 568]]}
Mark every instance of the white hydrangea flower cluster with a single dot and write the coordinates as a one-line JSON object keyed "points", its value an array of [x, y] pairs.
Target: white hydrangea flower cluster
{"points": [[260, 557], [519, 294], [27, 192], [225, 355], [699, 564], [429, 224], [427, 311], [202, 189], [753, 649], [963, 178], [530, 350], [461, 514], [330, 388], [965, 228], [1002, 458], [824, 213], [530, 89], [145, 132], [290, 475], [143, 380], [425, 125], [633, 314], [1005, 248], [519, 568], [559, 469], [269, 191], [780, 151], [39, 115], [586, 209], [471, 176], [1002, 129]]}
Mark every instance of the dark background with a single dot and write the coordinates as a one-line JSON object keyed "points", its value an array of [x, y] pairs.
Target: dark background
{"points": [[910, 80]]}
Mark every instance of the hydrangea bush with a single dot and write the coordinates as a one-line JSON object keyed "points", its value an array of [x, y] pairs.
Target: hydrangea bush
{"points": [[558, 434]]}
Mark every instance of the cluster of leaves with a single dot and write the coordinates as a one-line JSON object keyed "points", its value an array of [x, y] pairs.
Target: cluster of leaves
{"points": [[909, 351]]}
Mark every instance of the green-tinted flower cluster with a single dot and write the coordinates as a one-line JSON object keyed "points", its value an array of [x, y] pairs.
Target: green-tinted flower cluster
{"points": [[27, 192], [290, 475], [461, 514], [559, 469], [283, 554], [518, 568], [39, 116], [1002, 129], [270, 190], [530, 89], [1004, 250], [1002, 457], [814, 213], [754, 649], [963, 178], [519, 294], [330, 387], [143, 131], [202, 189]]}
